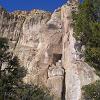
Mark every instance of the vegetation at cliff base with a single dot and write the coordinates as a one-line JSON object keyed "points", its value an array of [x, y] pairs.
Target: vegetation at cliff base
{"points": [[87, 30], [92, 91], [11, 75]]}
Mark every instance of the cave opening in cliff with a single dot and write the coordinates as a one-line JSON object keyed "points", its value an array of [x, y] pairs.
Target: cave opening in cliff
{"points": [[56, 57]]}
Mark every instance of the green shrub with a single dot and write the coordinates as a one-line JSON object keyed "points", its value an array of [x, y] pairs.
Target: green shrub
{"points": [[11, 75], [87, 30], [92, 91]]}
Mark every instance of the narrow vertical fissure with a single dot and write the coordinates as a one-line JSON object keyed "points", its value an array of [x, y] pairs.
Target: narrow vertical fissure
{"points": [[63, 88]]}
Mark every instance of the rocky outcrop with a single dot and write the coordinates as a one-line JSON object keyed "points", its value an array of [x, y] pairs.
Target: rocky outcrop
{"points": [[56, 79], [77, 72], [36, 38], [46, 47], [15, 25]]}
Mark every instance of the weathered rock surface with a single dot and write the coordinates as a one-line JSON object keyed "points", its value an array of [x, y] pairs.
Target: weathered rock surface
{"points": [[45, 45], [55, 80], [77, 72]]}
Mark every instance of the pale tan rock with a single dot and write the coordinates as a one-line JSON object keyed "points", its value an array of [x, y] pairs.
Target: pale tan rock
{"points": [[55, 80], [77, 72], [55, 86], [46, 47]]}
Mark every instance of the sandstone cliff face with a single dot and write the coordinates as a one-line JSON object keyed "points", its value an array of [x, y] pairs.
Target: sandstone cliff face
{"points": [[45, 44], [78, 73]]}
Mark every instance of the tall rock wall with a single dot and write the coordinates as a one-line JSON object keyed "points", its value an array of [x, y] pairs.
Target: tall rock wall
{"points": [[46, 47], [77, 72], [36, 38]]}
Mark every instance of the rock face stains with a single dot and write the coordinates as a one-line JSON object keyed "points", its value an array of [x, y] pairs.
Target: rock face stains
{"points": [[55, 79], [45, 45], [77, 72]]}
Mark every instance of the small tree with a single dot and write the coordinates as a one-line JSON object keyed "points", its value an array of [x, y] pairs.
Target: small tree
{"points": [[87, 30], [11, 74]]}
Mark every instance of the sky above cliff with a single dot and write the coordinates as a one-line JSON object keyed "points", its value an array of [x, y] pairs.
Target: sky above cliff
{"points": [[48, 5]]}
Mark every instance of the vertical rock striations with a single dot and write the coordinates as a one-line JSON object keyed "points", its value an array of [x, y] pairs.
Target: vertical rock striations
{"points": [[77, 72], [45, 45]]}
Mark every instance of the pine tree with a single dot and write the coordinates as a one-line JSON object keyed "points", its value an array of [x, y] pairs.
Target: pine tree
{"points": [[11, 75], [87, 30]]}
